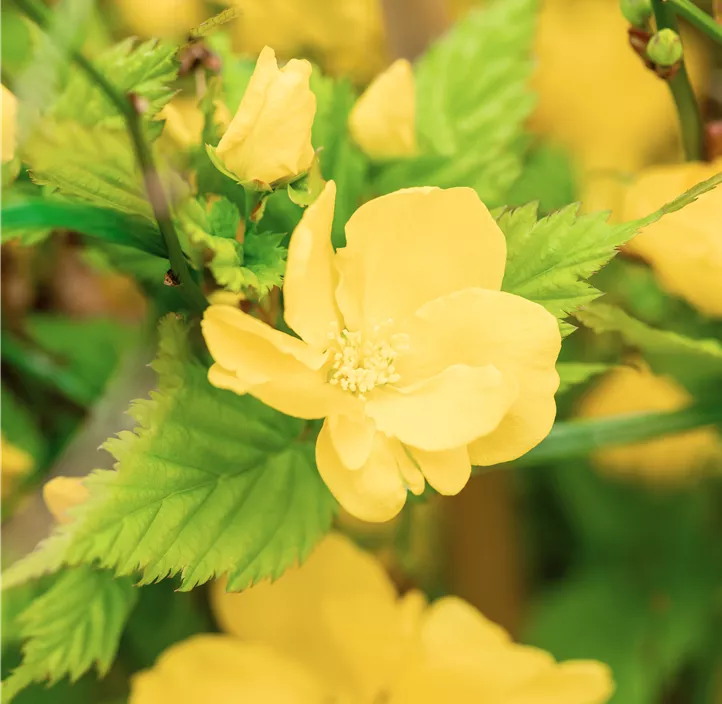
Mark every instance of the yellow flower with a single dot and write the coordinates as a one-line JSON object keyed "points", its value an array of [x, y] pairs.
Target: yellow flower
{"points": [[666, 459], [162, 18], [63, 493], [418, 362], [595, 95], [184, 120], [269, 138], [383, 120], [16, 463], [683, 248], [9, 109], [346, 37], [336, 630]]}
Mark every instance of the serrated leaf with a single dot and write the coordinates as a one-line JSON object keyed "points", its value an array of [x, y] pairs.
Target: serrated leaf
{"points": [[208, 483], [472, 100], [548, 260], [574, 373], [147, 70], [95, 165], [74, 626], [224, 219]]}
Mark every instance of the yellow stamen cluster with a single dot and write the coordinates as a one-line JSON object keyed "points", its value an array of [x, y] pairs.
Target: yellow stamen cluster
{"points": [[361, 362]]}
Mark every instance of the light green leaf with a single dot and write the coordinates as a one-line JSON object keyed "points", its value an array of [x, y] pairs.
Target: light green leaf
{"points": [[224, 219], [473, 98], [74, 626], [548, 260], [147, 70], [573, 373], [209, 483]]}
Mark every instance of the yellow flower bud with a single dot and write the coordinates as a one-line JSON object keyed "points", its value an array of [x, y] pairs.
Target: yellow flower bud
{"points": [[269, 138], [63, 493], [9, 125], [15, 461], [667, 459], [683, 248], [383, 120]]}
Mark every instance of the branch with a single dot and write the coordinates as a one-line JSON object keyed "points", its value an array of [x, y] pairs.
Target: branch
{"points": [[698, 18]]}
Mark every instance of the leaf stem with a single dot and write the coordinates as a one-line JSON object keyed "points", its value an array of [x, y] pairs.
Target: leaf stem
{"points": [[699, 18], [39, 14], [688, 111]]}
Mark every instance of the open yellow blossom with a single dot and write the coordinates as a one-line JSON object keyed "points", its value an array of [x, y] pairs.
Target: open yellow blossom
{"points": [[269, 138], [16, 463], [420, 365], [382, 122], [666, 459], [683, 248], [162, 18], [336, 630], [9, 110], [63, 493]]}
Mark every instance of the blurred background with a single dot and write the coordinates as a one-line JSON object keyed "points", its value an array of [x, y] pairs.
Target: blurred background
{"points": [[615, 556]]}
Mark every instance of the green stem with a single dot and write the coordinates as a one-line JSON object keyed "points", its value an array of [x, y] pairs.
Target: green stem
{"points": [[39, 14], [688, 111], [699, 18]]}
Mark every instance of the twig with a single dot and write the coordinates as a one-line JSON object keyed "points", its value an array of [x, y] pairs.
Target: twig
{"points": [[688, 111], [698, 18], [154, 188]]}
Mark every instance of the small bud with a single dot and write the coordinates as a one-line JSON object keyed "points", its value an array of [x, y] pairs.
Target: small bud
{"points": [[170, 279], [665, 48], [637, 12]]}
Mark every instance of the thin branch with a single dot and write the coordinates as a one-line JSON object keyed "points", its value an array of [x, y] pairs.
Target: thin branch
{"points": [[698, 18], [39, 14]]}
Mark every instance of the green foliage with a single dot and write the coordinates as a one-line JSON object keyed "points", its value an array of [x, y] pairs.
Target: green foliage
{"points": [[472, 100], [573, 373], [74, 626], [209, 483], [146, 69], [548, 260], [19, 427], [224, 219]]}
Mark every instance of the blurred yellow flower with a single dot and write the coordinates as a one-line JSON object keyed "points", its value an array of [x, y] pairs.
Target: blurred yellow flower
{"points": [[16, 463], [184, 120], [346, 37], [269, 138], [9, 110], [420, 365], [162, 18], [667, 459], [63, 493], [595, 95], [336, 630], [382, 122], [683, 248]]}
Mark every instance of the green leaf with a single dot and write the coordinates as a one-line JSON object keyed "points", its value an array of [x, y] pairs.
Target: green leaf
{"points": [[209, 483], [472, 99], [96, 165], [19, 426], [224, 219], [548, 260], [147, 70], [74, 626], [573, 373]]}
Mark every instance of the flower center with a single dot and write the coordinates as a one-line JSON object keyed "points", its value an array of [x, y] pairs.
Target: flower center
{"points": [[361, 362]]}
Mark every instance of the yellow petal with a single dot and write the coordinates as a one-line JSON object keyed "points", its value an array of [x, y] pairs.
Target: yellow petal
{"points": [[311, 279], [450, 409], [447, 471], [183, 122], [312, 613], [573, 682], [9, 110], [434, 241], [269, 138], [223, 379], [63, 493], [218, 669], [412, 476], [352, 439], [477, 327], [15, 461], [376, 491], [383, 120]]}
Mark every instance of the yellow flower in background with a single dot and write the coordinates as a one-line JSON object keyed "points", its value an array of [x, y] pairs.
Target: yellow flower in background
{"points": [[595, 95], [184, 120], [346, 37], [683, 248], [420, 365], [336, 630], [16, 463], [63, 493], [9, 110], [171, 19], [269, 138], [383, 120], [666, 459]]}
